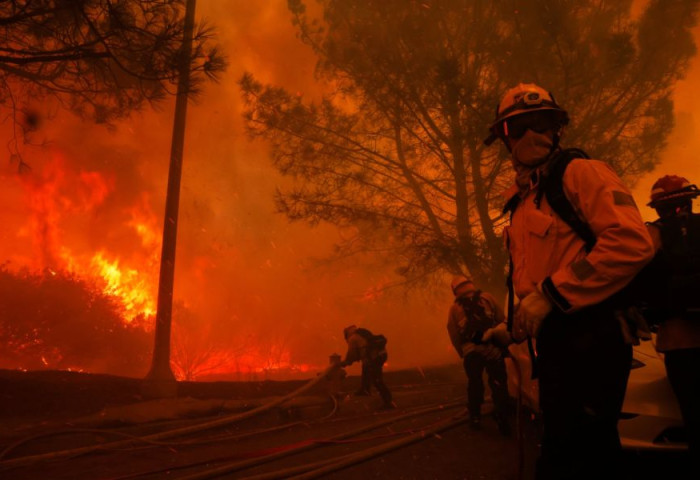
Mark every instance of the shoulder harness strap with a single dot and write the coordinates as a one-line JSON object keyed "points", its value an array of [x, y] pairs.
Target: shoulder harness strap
{"points": [[553, 190]]}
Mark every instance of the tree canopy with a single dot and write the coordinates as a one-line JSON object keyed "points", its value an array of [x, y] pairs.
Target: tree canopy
{"points": [[100, 58], [394, 149]]}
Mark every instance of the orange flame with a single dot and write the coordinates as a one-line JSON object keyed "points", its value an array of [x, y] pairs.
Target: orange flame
{"points": [[126, 283], [60, 197]]}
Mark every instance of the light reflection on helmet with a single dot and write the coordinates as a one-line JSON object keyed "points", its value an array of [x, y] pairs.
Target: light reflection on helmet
{"points": [[522, 99]]}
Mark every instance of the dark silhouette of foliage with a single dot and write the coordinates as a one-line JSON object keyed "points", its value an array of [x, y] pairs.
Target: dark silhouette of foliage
{"points": [[56, 320], [100, 58], [394, 149]]}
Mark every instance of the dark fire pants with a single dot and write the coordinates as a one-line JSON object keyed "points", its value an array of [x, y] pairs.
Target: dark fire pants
{"points": [[683, 370], [474, 365], [372, 374], [583, 367]]}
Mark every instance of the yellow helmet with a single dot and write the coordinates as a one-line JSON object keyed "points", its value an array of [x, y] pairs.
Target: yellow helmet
{"points": [[521, 99]]}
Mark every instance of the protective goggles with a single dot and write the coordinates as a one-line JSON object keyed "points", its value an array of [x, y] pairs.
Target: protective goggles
{"points": [[539, 122], [515, 127]]}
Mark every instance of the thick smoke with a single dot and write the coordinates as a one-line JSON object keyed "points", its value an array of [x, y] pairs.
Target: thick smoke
{"points": [[246, 281]]}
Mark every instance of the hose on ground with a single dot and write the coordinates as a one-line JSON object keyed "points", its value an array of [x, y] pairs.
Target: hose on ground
{"points": [[137, 438], [369, 453], [30, 459], [232, 467]]}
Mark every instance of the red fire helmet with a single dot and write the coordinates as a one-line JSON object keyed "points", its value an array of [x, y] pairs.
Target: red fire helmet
{"points": [[671, 188]]}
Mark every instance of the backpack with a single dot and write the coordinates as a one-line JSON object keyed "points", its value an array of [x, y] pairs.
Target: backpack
{"points": [[552, 188], [477, 320], [676, 269], [375, 343]]}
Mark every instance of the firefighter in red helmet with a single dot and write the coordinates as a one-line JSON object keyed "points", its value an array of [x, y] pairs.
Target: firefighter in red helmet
{"points": [[676, 287], [576, 239]]}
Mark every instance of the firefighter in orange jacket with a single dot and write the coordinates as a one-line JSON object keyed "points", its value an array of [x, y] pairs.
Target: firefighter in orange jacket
{"points": [[676, 236], [567, 285], [471, 315], [360, 348]]}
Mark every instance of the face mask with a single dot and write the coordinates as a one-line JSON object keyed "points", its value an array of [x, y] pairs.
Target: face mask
{"points": [[532, 149]]}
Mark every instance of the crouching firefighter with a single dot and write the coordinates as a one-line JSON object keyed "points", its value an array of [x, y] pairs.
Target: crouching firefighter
{"points": [[471, 315], [370, 349], [576, 239], [674, 296]]}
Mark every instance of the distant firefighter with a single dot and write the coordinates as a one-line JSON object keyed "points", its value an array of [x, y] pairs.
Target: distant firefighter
{"points": [[370, 349], [472, 314], [676, 287]]}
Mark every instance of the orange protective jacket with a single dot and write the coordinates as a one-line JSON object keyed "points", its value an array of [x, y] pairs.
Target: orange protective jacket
{"points": [[546, 252]]}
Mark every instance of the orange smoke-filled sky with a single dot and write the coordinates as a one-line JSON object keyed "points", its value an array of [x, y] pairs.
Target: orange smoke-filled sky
{"points": [[243, 269]]}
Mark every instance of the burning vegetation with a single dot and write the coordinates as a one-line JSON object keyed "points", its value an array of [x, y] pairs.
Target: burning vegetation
{"points": [[383, 155]]}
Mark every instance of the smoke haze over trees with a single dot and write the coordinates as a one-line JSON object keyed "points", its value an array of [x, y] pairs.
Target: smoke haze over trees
{"points": [[394, 151], [100, 59], [248, 276]]}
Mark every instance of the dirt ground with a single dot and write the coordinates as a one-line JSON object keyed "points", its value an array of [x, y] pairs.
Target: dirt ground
{"points": [[33, 403]]}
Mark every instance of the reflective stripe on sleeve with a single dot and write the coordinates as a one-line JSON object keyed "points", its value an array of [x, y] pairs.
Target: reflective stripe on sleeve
{"points": [[623, 198]]}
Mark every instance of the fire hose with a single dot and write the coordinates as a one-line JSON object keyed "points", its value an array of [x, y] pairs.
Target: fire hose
{"points": [[30, 459], [229, 468], [317, 469]]}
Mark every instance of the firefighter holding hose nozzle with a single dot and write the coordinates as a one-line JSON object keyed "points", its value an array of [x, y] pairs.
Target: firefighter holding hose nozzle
{"points": [[370, 349]]}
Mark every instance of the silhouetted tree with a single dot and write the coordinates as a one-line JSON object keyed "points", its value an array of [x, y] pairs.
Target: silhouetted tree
{"points": [[394, 149], [100, 58]]}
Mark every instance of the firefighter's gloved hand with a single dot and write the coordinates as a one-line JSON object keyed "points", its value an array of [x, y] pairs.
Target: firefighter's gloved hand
{"points": [[531, 312], [498, 335]]}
